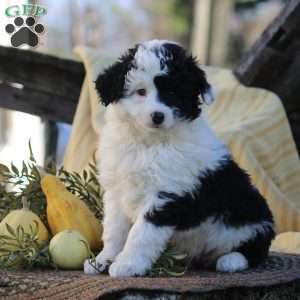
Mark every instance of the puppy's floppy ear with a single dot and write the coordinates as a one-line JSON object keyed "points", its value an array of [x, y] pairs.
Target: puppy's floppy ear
{"points": [[208, 95], [110, 83], [205, 90]]}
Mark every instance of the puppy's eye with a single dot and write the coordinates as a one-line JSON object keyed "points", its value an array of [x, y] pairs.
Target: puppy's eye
{"points": [[177, 113], [141, 92]]}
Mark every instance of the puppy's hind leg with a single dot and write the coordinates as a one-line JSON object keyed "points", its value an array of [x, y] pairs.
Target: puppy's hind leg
{"points": [[232, 262]]}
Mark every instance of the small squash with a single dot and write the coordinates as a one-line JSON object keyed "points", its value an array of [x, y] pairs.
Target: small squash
{"points": [[25, 218], [67, 211], [69, 250]]}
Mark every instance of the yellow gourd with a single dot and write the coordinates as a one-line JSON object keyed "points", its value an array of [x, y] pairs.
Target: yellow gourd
{"points": [[67, 211], [25, 218]]}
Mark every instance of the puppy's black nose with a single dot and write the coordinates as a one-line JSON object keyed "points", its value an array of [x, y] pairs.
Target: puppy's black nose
{"points": [[157, 117]]}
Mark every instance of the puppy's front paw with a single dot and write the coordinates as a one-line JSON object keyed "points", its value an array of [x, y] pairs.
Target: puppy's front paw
{"points": [[127, 268], [98, 266], [89, 267]]}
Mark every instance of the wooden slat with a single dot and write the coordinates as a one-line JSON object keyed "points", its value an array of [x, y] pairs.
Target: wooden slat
{"points": [[278, 37], [45, 105], [51, 85], [273, 63]]}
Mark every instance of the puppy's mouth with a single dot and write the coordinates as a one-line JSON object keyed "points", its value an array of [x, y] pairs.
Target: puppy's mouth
{"points": [[154, 126], [151, 127]]}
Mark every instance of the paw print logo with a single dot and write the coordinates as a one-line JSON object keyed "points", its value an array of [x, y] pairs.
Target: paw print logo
{"points": [[22, 34]]}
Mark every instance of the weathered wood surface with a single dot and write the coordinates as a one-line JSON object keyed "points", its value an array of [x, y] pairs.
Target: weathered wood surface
{"points": [[47, 86], [273, 63]]}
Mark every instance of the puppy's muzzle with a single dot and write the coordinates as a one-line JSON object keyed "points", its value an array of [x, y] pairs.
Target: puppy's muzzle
{"points": [[157, 118]]}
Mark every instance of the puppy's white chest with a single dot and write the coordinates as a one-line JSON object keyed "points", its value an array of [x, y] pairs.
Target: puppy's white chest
{"points": [[129, 172], [137, 171]]}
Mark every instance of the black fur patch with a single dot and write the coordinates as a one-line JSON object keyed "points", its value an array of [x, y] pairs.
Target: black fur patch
{"points": [[183, 84], [226, 194], [110, 84], [256, 249]]}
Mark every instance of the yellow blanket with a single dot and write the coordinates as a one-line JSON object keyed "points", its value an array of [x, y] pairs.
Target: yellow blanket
{"points": [[252, 122]]}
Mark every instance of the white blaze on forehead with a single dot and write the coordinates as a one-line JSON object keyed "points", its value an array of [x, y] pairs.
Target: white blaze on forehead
{"points": [[146, 60], [156, 48], [147, 63]]}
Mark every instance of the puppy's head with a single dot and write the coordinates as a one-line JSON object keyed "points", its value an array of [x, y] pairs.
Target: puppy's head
{"points": [[157, 84]]}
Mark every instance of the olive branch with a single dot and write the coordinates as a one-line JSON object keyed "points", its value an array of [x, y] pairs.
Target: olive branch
{"points": [[23, 250]]}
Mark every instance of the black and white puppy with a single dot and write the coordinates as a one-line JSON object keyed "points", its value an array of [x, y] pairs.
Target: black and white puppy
{"points": [[166, 176]]}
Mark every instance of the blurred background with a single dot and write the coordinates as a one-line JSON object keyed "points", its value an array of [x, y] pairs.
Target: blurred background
{"points": [[218, 32]]}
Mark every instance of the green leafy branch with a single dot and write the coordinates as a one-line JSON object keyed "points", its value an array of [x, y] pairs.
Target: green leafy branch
{"points": [[22, 250], [86, 187], [16, 184], [170, 263]]}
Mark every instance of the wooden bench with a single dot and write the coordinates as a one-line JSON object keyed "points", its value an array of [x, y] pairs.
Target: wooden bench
{"points": [[273, 63], [40, 84]]}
